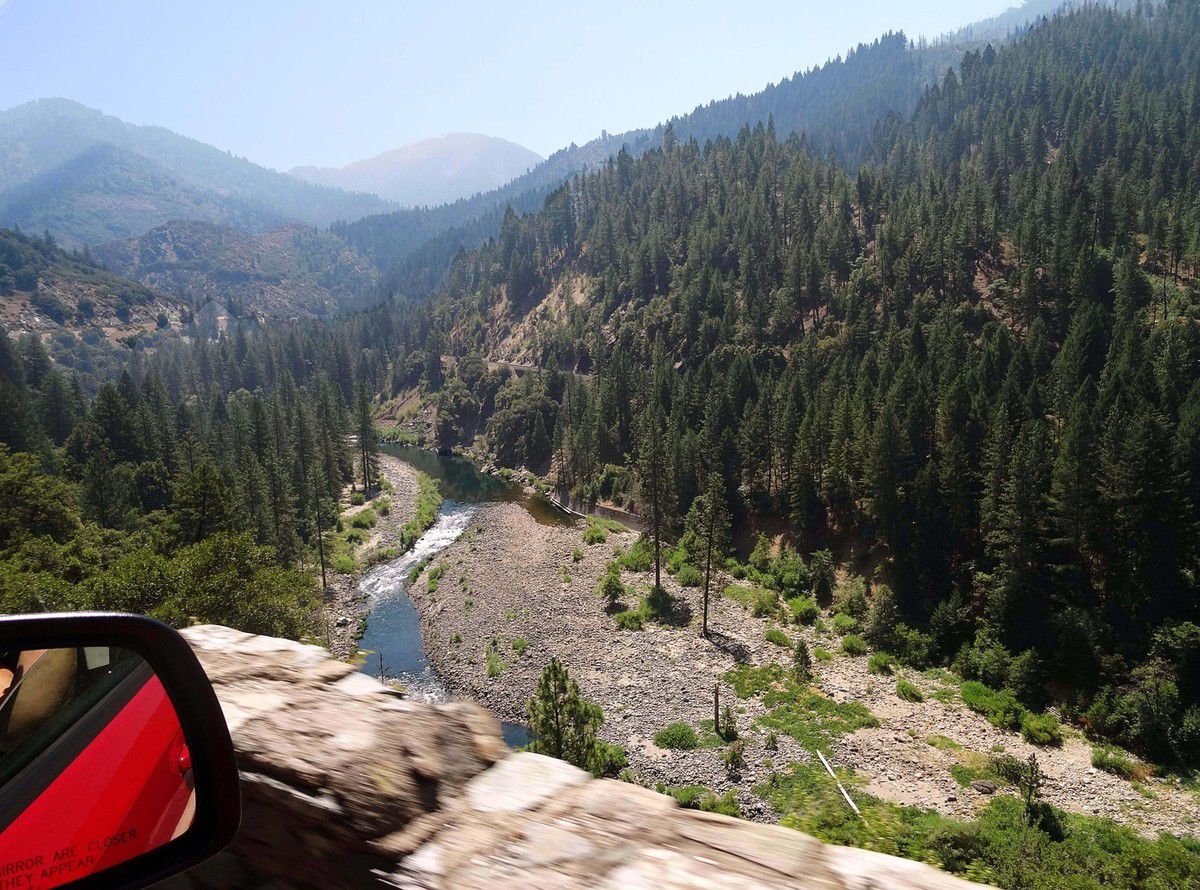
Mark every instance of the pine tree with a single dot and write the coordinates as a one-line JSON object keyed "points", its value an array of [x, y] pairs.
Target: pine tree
{"points": [[654, 472], [368, 439], [708, 524], [200, 502], [564, 723]]}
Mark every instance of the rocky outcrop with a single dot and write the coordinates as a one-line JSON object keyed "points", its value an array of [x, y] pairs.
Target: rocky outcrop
{"points": [[346, 784], [332, 761]]}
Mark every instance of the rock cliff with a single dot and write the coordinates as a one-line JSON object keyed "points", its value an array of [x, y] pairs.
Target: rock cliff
{"points": [[346, 784]]}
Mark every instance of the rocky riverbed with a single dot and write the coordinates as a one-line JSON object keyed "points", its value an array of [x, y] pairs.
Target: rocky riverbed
{"points": [[525, 592], [345, 606]]}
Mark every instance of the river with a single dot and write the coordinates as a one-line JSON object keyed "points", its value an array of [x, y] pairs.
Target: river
{"points": [[393, 638]]}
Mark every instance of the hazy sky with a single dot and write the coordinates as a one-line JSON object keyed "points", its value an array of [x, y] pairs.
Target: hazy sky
{"points": [[288, 82]]}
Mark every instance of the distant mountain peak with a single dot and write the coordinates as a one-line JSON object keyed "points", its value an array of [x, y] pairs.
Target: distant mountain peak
{"points": [[431, 171]]}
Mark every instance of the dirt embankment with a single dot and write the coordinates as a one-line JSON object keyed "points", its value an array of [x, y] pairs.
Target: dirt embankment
{"points": [[344, 606], [514, 588]]}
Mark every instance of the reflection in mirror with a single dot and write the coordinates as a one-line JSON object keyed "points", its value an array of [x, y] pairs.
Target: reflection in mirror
{"points": [[94, 769]]}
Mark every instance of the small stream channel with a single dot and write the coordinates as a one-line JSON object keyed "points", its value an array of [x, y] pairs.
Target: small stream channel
{"points": [[393, 638]]}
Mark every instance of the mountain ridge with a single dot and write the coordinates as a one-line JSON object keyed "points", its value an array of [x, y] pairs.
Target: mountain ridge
{"points": [[430, 171], [40, 141]]}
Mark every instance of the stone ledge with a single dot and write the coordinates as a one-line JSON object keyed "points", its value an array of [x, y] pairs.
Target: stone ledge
{"points": [[346, 784]]}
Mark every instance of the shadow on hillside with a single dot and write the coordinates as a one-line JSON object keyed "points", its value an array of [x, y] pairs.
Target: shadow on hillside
{"points": [[669, 610], [734, 648]]}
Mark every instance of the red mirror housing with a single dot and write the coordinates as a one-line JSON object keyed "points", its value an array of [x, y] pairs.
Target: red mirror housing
{"points": [[116, 766]]}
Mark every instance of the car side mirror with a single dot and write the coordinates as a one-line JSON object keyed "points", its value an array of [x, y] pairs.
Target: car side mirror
{"points": [[116, 767]]}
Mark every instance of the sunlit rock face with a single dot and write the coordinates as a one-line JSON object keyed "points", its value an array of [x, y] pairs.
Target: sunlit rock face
{"points": [[346, 784]]}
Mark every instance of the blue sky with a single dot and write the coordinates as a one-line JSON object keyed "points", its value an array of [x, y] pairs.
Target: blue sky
{"points": [[288, 82]]}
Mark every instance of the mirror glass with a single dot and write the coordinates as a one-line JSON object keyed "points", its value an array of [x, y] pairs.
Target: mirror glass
{"points": [[94, 769]]}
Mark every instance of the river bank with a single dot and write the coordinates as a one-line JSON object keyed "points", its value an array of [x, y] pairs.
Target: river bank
{"points": [[510, 593], [345, 606]]}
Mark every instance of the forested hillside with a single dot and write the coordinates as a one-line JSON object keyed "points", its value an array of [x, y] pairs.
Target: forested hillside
{"points": [[834, 105], [198, 491], [106, 192], [969, 366], [290, 272], [89, 318]]}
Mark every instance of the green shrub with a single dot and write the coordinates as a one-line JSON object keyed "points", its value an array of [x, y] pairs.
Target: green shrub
{"points": [[913, 647], [674, 559], [789, 574], [1027, 680], [908, 691], [976, 696], [656, 604], [594, 534], [415, 572], [357, 499], [760, 556], [1000, 770], [943, 743], [689, 576], [853, 644], [1112, 760], [748, 679], [844, 624], [822, 654], [810, 718], [880, 663], [1001, 708], [520, 645], [851, 597], [699, 797], [494, 664], [999, 847], [363, 519], [608, 760], [985, 660], [1041, 729], [630, 619], [883, 617], [677, 736], [762, 603], [1010, 769], [801, 663], [576, 555], [824, 576], [734, 757], [803, 609], [639, 557], [776, 636], [728, 730], [610, 588], [766, 604]]}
